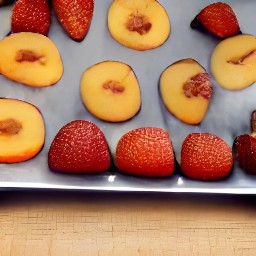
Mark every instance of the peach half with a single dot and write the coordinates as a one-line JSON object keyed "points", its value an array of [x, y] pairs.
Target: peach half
{"points": [[233, 62], [31, 59], [138, 24], [22, 131], [186, 89], [110, 91]]}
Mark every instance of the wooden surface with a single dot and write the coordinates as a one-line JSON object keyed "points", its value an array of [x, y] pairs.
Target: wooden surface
{"points": [[101, 224]]}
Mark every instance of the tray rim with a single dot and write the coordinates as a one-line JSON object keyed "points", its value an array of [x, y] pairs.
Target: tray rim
{"points": [[41, 186]]}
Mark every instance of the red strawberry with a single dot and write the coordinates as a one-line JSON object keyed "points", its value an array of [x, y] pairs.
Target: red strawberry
{"points": [[205, 156], [219, 19], [245, 148], [145, 152], [245, 152], [31, 16], [75, 16], [79, 147]]}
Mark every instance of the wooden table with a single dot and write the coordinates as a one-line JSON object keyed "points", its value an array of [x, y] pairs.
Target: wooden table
{"points": [[40, 223]]}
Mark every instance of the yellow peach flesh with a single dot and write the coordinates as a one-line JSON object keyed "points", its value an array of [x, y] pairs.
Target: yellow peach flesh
{"points": [[121, 12], [17, 63], [110, 91], [190, 110], [27, 140], [233, 62]]}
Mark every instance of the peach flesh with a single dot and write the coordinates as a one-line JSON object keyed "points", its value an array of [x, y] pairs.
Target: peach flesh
{"points": [[110, 91], [186, 90], [22, 131]]}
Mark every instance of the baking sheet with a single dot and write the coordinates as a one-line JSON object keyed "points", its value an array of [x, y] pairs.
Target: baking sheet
{"points": [[228, 114]]}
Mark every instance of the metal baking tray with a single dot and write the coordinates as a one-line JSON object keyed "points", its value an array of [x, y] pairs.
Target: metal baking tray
{"points": [[227, 116]]}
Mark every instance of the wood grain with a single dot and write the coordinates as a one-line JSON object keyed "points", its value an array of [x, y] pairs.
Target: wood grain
{"points": [[101, 224]]}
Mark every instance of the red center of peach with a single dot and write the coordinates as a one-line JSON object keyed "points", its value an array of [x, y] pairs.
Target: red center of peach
{"points": [[199, 85], [113, 86], [138, 23], [10, 127], [30, 56]]}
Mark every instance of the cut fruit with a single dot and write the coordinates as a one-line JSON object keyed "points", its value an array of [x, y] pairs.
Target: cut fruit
{"points": [[75, 16], [186, 90], [233, 62], [79, 147], [205, 156], [110, 91], [244, 148], [140, 25], [22, 131], [219, 19], [145, 151], [31, 59]]}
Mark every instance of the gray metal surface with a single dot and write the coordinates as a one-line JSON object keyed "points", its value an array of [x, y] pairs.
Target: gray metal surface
{"points": [[227, 117]]}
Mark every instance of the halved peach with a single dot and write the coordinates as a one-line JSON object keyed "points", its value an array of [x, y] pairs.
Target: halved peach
{"points": [[110, 91], [31, 59], [22, 130], [186, 89], [138, 24], [233, 62]]}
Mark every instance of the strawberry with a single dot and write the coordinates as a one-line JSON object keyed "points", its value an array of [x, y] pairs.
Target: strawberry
{"points": [[245, 148], [219, 19], [75, 16], [245, 152], [145, 151], [31, 16], [79, 147], [205, 156]]}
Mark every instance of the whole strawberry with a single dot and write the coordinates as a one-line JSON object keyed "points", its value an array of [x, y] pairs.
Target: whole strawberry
{"points": [[31, 16], [145, 151], [75, 16], [205, 156], [79, 147], [219, 19]]}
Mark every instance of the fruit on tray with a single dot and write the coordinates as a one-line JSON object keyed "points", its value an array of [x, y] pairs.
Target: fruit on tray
{"points": [[145, 151], [31, 59], [138, 24], [218, 19], [233, 62], [186, 90], [244, 148], [205, 156], [22, 130], [75, 16], [79, 147], [110, 91], [31, 16]]}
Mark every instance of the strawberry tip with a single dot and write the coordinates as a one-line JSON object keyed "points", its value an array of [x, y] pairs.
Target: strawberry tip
{"points": [[195, 23]]}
